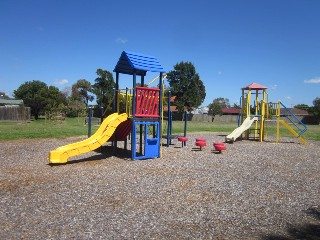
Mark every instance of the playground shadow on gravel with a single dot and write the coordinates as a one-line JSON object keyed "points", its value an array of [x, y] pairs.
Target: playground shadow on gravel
{"points": [[307, 231], [222, 135], [103, 153]]}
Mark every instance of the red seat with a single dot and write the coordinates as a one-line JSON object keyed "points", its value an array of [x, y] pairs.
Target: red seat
{"points": [[219, 146], [182, 140], [201, 142], [201, 139]]}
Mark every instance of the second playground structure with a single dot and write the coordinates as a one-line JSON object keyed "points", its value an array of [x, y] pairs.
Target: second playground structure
{"points": [[256, 111]]}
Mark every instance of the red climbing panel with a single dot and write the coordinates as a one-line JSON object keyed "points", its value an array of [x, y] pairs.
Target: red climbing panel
{"points": [[147, 102]]}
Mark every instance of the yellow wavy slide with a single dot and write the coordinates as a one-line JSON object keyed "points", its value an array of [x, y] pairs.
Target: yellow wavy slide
{"points": [[103, 134]]}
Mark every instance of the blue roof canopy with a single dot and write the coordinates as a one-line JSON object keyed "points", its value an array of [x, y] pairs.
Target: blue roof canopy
{"points": [[131, 62]]}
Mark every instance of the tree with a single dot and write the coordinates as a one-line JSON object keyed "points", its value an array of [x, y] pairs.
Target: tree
{"points": [[302, 107], [235, 105], [103, 88], [81, 91], [215, 108], [186, 86], [39, 97], [30, 93], [55, 100], [316, 107], [3, 95]]}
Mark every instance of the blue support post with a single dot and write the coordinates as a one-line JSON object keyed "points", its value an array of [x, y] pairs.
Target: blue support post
{"points": [[160, 108], [116, 92], [141, 136], [114, 100], [133, 138], [185, 125], [170, 126], [89, 121], [141, 127], [101, 112], [169, 120]]}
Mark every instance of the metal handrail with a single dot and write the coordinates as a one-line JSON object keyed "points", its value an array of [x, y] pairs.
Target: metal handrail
{"points": [[296, 118]]}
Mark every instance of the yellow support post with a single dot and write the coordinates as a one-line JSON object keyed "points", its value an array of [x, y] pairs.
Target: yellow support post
{"points": [[278, 122], [261, 137], [256, 113], [248, 103], [248, 111]]}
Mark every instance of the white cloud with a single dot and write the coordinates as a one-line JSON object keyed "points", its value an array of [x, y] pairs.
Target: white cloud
{"points": [[61, 82], [121, 40], [313, 80], [288, 97], [273, 87]]}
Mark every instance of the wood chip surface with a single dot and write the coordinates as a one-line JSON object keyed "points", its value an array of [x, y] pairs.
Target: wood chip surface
{"points": [[251, 191]]}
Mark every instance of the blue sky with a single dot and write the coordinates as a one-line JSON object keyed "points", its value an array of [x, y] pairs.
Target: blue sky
{"points": [[232, 43]]}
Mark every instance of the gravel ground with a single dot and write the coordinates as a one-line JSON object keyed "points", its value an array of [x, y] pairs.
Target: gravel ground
{"points": [[250, 191]]}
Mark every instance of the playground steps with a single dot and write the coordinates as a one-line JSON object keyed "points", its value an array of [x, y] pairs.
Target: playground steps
{"points": [[301, 139]]}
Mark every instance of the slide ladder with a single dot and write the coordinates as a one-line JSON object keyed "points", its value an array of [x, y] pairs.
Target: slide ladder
{"points": [[293, 132], [300, 128]]}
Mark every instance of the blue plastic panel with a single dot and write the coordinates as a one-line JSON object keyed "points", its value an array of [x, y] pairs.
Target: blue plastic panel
{"points": [[151, 144]]}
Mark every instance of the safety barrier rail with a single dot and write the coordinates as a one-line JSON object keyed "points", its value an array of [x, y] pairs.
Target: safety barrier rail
{"points": [[147, 102], [291, 115], [274, 109]]}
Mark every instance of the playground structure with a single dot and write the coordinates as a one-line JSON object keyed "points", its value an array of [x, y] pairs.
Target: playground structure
{"points": [[141, 116], [257, 112], [138, 113]]}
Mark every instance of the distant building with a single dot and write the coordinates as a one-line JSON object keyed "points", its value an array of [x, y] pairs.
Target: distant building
{"points": [[296, 111], [6, 102], [14, 110], [200, 110], [231, 111]]}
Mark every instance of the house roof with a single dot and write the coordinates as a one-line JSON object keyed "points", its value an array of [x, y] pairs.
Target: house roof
{"points": [[131, 62], [295, 111], [172, 108], [254, 86], [173, 98], [231, 110]]}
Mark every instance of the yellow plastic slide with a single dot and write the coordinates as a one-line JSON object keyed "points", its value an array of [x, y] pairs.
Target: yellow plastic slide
{"points": [[103, 134], [238, 131]]}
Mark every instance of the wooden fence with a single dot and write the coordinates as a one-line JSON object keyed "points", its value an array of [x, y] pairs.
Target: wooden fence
{"points": [[15, 113]]}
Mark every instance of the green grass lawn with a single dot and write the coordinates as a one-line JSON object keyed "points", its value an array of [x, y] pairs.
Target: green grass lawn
{"points": [[75, 127], [178, 127], [44, 129]]}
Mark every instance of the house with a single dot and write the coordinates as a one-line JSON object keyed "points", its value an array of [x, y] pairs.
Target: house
{"points": [[296, 111], [300, 114], [14, 110], [200, 110], [231, 111], [7, 102]]}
